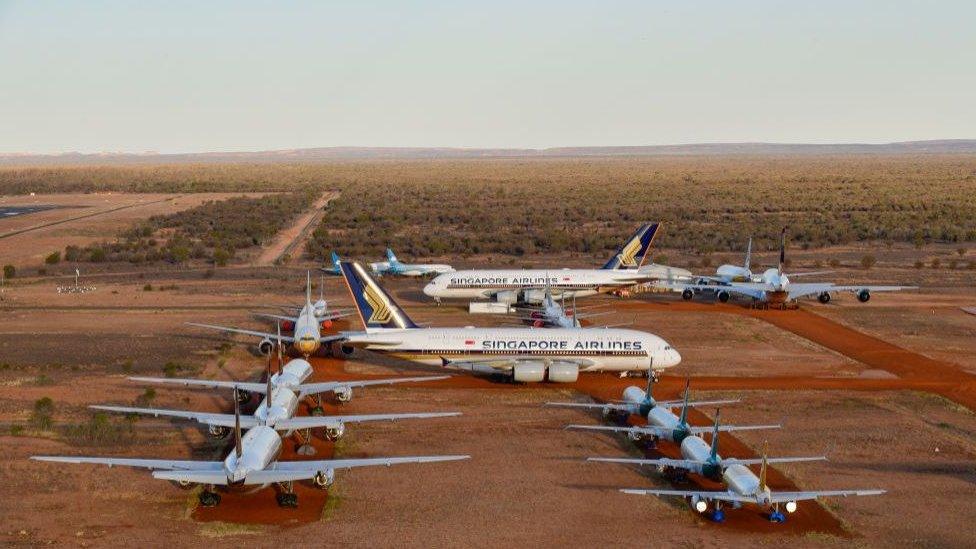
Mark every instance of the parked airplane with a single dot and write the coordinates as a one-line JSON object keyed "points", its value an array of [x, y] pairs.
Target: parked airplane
{"points": [[277, 410], [393, 266], [625, 269], [637, 401], [253, 462], [736, 273], [663, 424], [334, 269], [523, 354], [743, 485], [774, 286], [306, 337]]}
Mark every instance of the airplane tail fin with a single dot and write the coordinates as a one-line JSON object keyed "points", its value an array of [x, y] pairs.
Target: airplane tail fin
{"points": [[633, 253], [782, 250], [308, 287], [281, 357], [238, 448], [335, 260], [748, 262], [762, 468], [684, 407], [390, 256], [714, 453], [377, 309]]}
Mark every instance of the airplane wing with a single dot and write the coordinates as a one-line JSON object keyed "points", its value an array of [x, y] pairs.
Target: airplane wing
{"points": [[254, 333], [324, 387], [755, 290], [206, 383], [757, 461], [219, 478], [626, 407], [662, 462], [276, 317], [801, 289], [322, 465], [783, 497], [701, 494], [156, 464], [314, 422], [660, 431], [223, 420]]}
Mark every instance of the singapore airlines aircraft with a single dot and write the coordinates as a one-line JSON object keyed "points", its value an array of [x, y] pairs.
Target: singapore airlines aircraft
{"points": [[253, 462], [774, 286], [523, 354], [306, 337], [625, 269]]}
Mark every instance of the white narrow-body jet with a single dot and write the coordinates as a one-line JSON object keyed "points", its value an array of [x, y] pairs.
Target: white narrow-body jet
{"points": [[395, 267], [774, 286], [638, 402], [523, 354], [253, 462]]}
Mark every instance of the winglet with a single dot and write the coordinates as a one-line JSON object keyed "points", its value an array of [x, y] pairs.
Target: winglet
{"points": [[762, 469], [270, 395], [683, 421], [782, 250], [748, 262], [280, 357], [308, 287], [238, 449], [713, 456]]}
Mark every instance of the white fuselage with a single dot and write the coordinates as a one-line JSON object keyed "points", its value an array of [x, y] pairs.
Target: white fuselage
{"points": [[260, 447], [292, 375], [281, 404], [308, 331], [608, 349], [664, 418], [734, 273], [410, 269], [481, 284]]}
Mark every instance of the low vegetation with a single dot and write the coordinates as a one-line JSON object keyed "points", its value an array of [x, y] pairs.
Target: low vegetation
{"points": [[214, 231]]}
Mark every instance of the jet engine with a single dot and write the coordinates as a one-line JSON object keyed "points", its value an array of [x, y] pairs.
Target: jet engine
{"points": [[687, 294], [563, 372], [699, 504], [824, 297], [335, 432], [218, 431], [343, 394], [324, 479], [529, 372], [266, 346], [724, 296], [509, 297], [534, 297], [790, 506], [319, 308], [347, 350], [863, 296]]}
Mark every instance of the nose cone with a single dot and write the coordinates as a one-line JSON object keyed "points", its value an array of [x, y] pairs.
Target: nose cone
{"points": [[307, 346], [430, 289], [671, 358]]}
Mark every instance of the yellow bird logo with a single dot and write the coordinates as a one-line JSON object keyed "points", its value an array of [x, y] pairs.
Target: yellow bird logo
{"points": [[628, 254], [381, 311]]}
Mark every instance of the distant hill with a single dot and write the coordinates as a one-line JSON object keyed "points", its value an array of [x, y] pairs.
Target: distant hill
{"points": [[325, 154]]}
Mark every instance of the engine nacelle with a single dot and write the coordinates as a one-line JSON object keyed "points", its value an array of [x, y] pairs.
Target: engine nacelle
{"points": [[687, 294], [326, 324], [335, 432], [790, 506], [824, 297], [266, 346], [863, 296], [508, 297], [699, 504], [218, 431], [347, 350], [563, 372], [534, 297], [324, 479], [538, 323], [343, 394], [724, 296], [529, 372]]}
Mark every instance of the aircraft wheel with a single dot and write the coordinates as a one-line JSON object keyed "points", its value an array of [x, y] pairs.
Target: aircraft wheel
{"points": [[287, 500], [209, 499], [317, 411]]}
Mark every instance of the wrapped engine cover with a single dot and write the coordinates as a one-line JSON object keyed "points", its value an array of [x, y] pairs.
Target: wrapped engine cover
{"points": [[563, 372], [529, 372]]}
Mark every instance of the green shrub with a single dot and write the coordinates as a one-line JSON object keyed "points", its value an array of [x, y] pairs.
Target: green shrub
{"points": [[53, 259]]}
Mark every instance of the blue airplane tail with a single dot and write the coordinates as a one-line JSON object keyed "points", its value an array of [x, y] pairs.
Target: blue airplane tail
{"points": [[391, 257], [377, 309], [335, 261], [632, 254]]}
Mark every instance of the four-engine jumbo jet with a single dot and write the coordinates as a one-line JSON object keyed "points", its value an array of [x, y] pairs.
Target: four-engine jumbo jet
{"points": [[625, 269], [523, 354], [775, 288], [393, 266], [306, 338], [253, 462], [743, 485]]}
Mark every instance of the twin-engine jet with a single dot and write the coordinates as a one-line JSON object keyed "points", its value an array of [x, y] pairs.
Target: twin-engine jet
{"points": [[253, 462], [521, 354], [774, 287], [625, 269], [395, 267], [638, 402], [306, 337]]}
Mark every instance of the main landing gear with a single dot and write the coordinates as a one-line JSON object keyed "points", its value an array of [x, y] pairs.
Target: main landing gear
{"points": [[305, 447], [209, 498], [287, 498], [318, 410]]}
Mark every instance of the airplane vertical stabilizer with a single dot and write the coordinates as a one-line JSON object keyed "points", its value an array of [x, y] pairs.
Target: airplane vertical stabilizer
{"points": [[377, 309]]}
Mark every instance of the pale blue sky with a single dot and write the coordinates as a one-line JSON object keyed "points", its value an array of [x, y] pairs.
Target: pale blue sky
{"points": [[240, 75]]}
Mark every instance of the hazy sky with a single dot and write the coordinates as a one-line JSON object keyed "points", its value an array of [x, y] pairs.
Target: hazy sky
{"points": [[175, 76]]}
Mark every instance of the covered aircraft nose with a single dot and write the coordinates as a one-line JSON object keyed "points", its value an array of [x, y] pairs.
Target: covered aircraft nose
{"points": [[671, 358], [431, 288]]}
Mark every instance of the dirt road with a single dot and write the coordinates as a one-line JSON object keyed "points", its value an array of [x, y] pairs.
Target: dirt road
{"points": [[288, 241]]}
